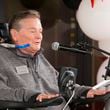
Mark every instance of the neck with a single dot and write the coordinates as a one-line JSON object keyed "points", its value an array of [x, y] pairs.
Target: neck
{"points": [[27, 53]]}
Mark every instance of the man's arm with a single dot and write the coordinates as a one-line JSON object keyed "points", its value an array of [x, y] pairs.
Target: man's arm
{"points": [[14, 94], [88, 92], [96, 92]]}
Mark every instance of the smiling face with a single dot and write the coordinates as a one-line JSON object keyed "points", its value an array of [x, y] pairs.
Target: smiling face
{"points": [[30, 32]]}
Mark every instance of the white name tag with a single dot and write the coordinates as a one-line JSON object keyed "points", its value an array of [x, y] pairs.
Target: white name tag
{"points": [[22, 69]]}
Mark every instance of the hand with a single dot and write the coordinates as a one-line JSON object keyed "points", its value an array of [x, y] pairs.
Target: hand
{"points": [[91, 93], [43, 96]]}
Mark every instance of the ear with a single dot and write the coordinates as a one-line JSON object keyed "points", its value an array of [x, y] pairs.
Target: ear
{"points": [[14, 35]]}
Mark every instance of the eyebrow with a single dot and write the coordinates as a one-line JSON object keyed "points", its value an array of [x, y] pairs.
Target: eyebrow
{"points": [[32, 28]]}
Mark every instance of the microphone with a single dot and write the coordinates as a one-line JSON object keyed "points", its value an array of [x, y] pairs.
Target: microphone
{"points": [[56, 46]]}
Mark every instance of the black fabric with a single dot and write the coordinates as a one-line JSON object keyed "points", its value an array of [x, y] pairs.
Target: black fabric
{"points": [[22, 105]]}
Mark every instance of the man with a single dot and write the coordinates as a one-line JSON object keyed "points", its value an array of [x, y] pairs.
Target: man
{"points": [[25, 74]]}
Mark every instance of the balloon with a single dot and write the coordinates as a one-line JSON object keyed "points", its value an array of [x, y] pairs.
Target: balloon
{"points": [[94, 21], [105, 45], [32, 4], [102, 71]]}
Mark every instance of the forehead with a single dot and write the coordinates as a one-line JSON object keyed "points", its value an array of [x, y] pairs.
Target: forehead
{"points": [[28, 22]]}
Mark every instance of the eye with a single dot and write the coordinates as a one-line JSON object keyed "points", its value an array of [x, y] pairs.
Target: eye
{"points": [[32, 31], [41, 31]]}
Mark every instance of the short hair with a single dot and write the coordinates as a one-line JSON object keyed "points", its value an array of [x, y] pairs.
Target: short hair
{"points": [[14, 21]]}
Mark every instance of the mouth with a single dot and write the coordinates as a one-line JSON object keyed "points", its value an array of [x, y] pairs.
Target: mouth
{"points": [[37, 43]]}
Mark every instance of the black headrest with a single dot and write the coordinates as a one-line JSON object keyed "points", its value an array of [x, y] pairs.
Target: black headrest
{"points": [[4, 33]]}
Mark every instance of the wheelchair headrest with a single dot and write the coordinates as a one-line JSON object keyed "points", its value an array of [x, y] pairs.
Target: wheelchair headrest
{"points": [[4, 33]]}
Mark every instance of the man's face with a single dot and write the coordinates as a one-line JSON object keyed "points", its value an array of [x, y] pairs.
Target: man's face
{"points": [[30, 32]]}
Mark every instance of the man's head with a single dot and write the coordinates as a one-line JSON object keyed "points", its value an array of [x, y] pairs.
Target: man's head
{"points": [[25, 28]]}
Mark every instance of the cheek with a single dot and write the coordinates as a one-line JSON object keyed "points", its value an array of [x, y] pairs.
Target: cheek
{"points": [[24, 40]]}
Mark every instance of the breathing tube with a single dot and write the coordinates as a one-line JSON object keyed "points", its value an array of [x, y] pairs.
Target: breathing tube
{"points": [[22, 46]]}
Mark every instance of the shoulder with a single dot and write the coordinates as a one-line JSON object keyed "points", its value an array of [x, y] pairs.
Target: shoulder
{"points": [[4, 52], [3, 49]]}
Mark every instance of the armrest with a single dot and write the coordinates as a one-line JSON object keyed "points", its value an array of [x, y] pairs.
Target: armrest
{"points": [[13, 104], [99, 98]]}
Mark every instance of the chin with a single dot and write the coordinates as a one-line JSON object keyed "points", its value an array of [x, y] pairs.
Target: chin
{"points": [[37, 49]]}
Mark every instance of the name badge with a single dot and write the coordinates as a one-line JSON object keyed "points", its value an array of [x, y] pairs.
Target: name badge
{"points": [[22, 69]]}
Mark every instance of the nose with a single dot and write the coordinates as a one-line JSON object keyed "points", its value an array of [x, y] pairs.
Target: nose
{"points": [[38, 36]]}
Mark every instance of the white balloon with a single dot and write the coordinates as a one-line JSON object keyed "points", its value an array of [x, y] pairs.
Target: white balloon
{"points": [[94, 21], [105, 45], [102, 71]]}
